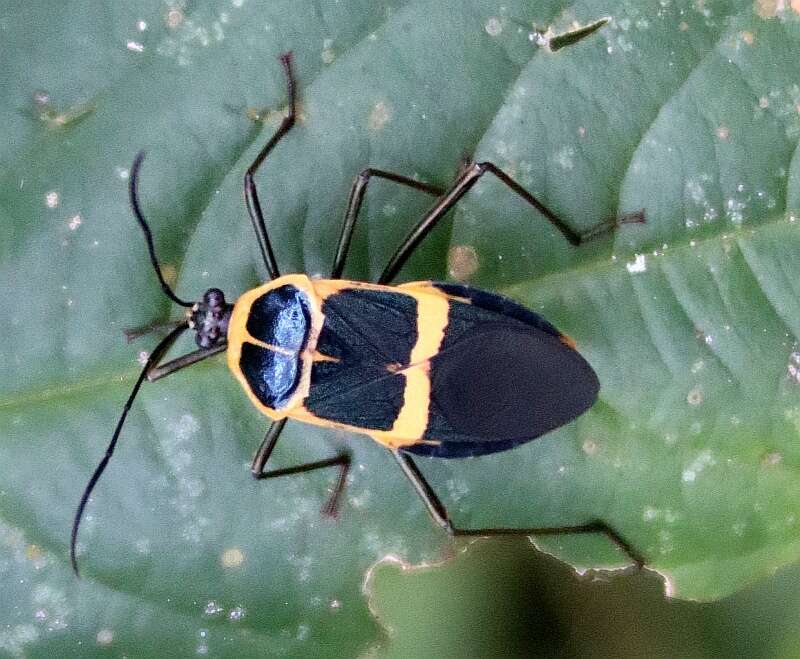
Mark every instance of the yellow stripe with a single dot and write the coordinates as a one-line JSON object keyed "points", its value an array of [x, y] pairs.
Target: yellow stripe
{"points": [[319, 357], [384, 437], [237, 332], [568, 341], [432, 312], [269, 346], [327, 287]]}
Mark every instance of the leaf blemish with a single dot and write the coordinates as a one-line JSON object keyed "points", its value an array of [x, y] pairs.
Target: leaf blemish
{"points": [[105, 637], [232, 557], [381, 115], [212, 609], [703, 460], [651, 514], [565, 157], [236, 613], [327, 55], [462, 262], [639, 264], [695, 396], [793, 368], [493, 26], [174, 18], [51, 199], [666, 545], [768, 8]]}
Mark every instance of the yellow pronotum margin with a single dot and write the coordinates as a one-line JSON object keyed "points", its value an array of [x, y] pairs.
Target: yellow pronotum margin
{"points": [[412, 420], [238, 334]]}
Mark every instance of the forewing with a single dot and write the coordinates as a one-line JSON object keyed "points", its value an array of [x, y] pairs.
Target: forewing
{"points": [[365, 342]]}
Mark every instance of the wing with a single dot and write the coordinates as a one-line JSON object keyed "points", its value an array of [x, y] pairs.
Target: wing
{"points": [[502, 374], [502, 377], [366, 339]]}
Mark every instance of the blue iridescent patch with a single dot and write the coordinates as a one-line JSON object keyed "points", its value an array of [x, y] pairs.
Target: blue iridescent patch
{"points": [[282, 319], [273, 376]]}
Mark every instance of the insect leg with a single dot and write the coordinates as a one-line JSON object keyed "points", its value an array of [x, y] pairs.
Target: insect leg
{"points": [[265, 450], [133, 333], [250, 192], [469, 177], [158, 371], [354, 202], [606, 226], [439, 514]]}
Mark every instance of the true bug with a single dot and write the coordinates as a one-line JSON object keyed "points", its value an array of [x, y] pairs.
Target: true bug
{"points": [[424, 368]]}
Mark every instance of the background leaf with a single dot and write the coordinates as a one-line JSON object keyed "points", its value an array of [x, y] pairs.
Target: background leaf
{"points": [[685, 110]]}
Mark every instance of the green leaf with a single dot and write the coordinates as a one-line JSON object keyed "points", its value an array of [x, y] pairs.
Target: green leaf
{"points": [[687, 111], [691, 319]]}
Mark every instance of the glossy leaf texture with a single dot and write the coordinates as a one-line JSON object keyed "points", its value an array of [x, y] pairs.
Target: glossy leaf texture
{"points": [[685, 110]]}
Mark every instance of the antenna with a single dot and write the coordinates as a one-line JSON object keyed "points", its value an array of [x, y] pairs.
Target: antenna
{"points": [[137, 211], [154, 358]]}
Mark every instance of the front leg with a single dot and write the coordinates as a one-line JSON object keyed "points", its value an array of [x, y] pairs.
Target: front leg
{"points": [[158, 371], [250, 190]]}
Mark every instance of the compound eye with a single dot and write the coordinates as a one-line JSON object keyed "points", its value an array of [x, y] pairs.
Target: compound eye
{"points": [[214, 298]]}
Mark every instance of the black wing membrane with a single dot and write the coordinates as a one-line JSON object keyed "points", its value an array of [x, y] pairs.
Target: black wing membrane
{"points": [[503, 377]]}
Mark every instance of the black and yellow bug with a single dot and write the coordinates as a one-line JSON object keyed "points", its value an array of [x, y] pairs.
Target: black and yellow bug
{"points": [[423, 368]]}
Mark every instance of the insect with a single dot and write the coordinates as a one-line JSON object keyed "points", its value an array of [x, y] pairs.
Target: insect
{"points": [[423, 368]]}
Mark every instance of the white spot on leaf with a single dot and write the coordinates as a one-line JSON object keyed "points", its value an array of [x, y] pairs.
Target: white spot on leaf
{"points": [[639, 264]]}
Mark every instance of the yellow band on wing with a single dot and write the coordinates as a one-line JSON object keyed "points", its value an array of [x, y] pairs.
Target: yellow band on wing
{"points": [[432, 315]]}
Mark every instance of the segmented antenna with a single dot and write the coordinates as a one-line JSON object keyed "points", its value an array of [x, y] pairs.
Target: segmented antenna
{"points": [[154, 358], [137, 211]]}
